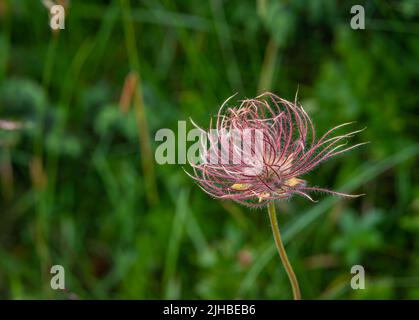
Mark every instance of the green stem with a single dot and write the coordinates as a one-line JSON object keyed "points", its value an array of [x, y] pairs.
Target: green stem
{"points": [[282, 252]]}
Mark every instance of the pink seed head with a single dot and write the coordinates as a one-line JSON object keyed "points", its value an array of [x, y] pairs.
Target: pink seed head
{"points": [[259, 150]]}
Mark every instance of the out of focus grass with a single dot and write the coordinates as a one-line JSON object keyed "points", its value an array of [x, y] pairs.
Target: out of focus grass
{"points": [[79, 186]]}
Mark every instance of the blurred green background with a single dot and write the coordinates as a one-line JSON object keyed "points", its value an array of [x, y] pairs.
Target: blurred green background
{"points": [[80, 187]]}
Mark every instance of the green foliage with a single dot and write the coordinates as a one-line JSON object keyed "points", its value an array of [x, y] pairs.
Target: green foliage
{"points": [[359, 234], [74, 179]]}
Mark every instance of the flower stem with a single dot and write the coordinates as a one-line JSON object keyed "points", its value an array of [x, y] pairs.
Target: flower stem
{"points": [[282, 252]]}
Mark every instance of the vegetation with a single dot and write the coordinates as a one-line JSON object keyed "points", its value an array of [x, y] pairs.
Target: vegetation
{"points": [[80, 187]]}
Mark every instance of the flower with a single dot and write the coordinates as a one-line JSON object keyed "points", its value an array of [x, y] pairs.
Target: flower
{"points": [[259, 151], [10, 125]]}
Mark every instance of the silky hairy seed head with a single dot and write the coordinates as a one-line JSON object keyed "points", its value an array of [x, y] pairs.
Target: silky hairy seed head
{"points": [[259, 150]]}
